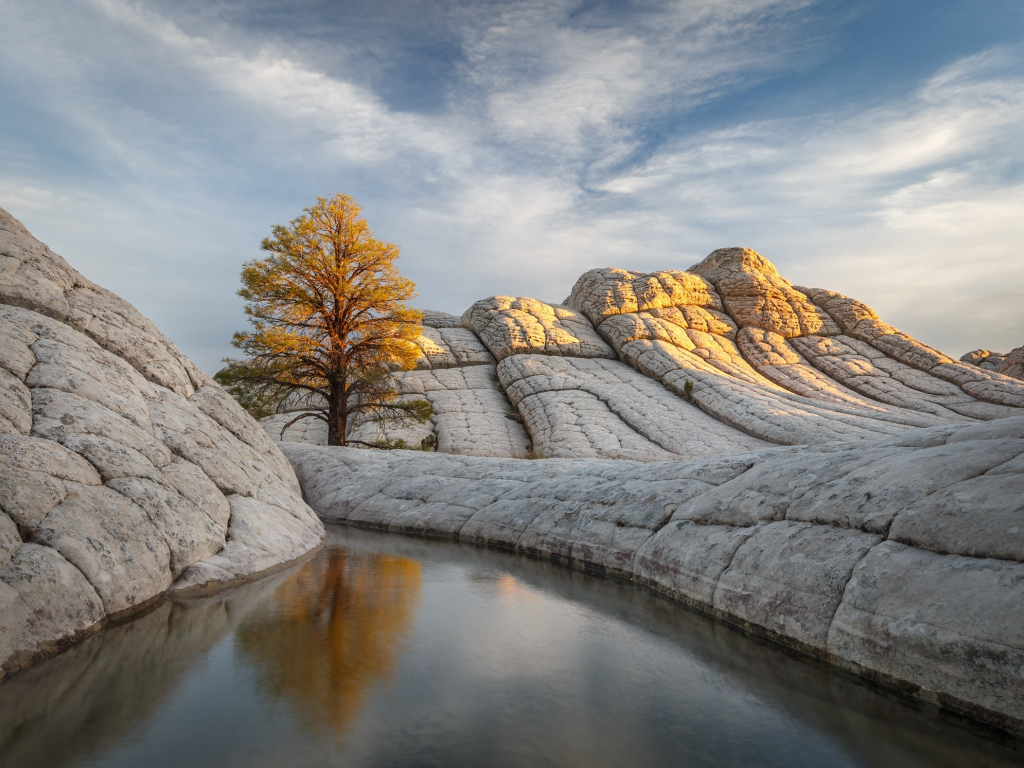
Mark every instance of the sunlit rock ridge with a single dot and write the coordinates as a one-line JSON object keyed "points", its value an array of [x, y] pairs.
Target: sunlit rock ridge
{"points": [[774, 454], [125, 472], [726, 357]]}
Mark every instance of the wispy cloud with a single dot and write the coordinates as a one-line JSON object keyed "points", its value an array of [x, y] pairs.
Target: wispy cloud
{"points": [[568, 136], [913, 204]]}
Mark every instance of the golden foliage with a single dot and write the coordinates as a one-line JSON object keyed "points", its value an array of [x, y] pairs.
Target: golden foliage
{"points": [[331, 632], [329, 319]]}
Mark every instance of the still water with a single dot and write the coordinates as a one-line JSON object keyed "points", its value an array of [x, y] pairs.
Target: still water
{"points": [[388, 651]]}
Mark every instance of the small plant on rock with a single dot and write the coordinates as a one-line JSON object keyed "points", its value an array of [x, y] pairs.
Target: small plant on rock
{"points": [[688, 391]]}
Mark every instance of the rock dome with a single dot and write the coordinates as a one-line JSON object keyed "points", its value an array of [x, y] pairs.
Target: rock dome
{"points": [[723, 358], [125, 472]]}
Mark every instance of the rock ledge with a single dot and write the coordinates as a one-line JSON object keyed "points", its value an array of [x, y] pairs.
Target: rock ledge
{"points": [[901, 559]]}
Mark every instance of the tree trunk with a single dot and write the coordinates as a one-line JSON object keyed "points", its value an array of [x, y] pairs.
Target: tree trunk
{"points": [[337, 417]]}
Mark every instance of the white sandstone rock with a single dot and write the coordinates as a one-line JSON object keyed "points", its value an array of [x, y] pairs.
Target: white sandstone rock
{"points": [[92, 392], [45, 604], [509, 326], [948, 626]]}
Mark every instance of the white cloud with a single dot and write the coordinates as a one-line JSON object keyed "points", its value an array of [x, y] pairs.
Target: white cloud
{"points": [[527, 176]]}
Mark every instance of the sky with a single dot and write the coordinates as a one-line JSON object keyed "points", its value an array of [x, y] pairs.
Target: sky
{"points": [[871, 147]]}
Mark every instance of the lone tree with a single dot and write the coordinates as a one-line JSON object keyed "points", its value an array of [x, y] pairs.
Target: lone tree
{"points": [[330, 323]]}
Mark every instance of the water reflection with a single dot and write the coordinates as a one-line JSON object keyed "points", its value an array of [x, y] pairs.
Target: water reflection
{"points": [[87, 699], [392, 651], [331, 632]]}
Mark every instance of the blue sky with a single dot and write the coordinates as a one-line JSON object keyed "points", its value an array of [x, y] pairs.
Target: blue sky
{"points": [[873, 148]]}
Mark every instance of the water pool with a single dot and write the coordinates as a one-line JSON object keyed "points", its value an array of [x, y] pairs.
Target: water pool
{"points": [[390, 651]]}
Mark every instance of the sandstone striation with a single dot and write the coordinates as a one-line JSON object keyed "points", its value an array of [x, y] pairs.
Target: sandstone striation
{"points": [[457, 375], [125, 472], [663, 366]]}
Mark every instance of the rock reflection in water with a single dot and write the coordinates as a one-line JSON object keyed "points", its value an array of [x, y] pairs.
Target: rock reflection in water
{"points": [[331, 632], [89, 698]]}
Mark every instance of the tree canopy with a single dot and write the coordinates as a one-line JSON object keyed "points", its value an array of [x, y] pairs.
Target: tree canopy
{"points": [[330, 325]]}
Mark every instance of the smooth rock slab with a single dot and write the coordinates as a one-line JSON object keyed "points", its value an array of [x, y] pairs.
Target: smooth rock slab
{"points": [[948, 625], [788, 578], [686, 560], [870, 495], [980, 517]]}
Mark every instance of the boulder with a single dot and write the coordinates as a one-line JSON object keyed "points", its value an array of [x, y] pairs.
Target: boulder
{"points": [[121, 463]]}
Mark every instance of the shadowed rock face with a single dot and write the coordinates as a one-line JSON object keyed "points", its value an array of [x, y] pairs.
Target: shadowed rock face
{"points": [[125, 472], [1011, 364]]}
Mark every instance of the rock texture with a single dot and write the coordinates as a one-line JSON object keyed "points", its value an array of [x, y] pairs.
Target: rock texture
{"points": [[1011, 364], [901, 558], [773, 453], [456, 373], [125, 472], [723, 358], [778, 369]]}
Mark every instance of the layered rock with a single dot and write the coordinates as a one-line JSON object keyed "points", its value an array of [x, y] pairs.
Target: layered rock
{"points": [[1011, 364], [660, 366], [457, 375], [901, 558], [761, 355], [125, 472], [577, 407]]}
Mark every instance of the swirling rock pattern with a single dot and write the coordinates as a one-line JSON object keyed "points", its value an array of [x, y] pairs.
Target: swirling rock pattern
{"points": [[125, 472], [662, 366]]}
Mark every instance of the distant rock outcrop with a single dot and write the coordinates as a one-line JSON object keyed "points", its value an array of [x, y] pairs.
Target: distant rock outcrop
{"points": [[1011, 364], [125, 472]]}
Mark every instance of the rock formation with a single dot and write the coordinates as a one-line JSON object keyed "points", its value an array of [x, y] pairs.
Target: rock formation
{"points": [[726, 357], [792, 463], [125, 472], [1011, 364]]}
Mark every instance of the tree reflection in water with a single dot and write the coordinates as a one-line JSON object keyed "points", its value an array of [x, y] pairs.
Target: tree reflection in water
{"points": [[331, 632]]}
